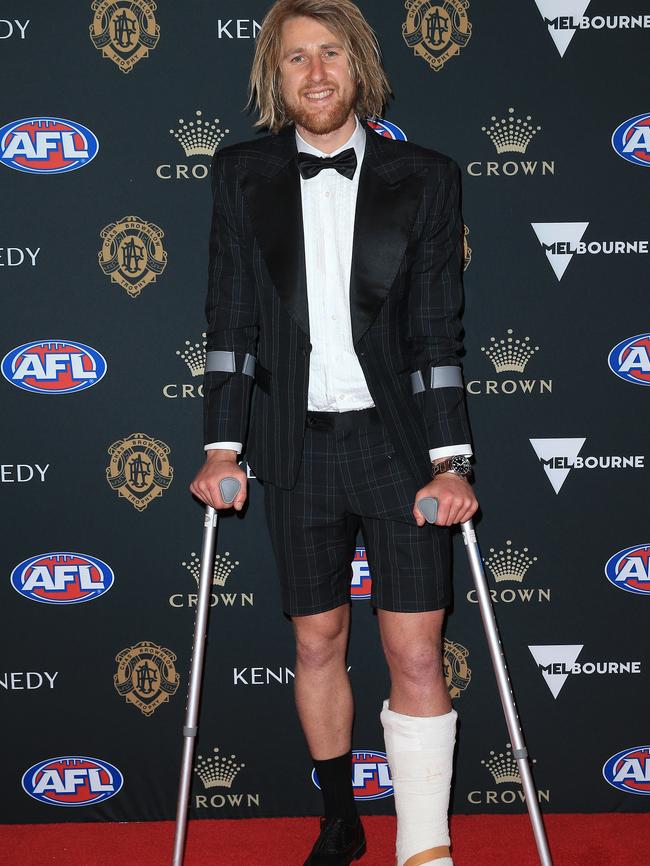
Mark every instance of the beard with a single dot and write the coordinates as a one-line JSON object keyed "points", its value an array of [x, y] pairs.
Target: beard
{"points": [[324, 121]]}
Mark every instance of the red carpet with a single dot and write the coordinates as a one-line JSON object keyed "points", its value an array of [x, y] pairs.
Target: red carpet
{"points": [[479, 840]]}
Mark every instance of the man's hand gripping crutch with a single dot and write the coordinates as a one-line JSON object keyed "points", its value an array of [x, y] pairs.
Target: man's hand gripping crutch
{"points": [[220, 484]]}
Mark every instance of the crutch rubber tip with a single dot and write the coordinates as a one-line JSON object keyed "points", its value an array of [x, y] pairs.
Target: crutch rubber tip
{"points": [[428, 506], [229, 488]]}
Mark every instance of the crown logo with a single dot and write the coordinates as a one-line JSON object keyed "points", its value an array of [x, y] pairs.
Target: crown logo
{"points": [[194, 356], [223, 568], [509, 564], [510, 355], [510, 134], [200, 137], [217, 771], [503, 767]]}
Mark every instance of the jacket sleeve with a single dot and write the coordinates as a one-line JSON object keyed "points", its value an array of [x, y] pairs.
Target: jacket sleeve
{"points": [[435, 302], [231, 310]]}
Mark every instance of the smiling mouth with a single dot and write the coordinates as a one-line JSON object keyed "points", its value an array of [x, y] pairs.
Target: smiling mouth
{"points": [[318, 95]]}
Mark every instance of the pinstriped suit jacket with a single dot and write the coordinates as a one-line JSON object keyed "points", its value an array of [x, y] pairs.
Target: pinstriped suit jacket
{"points": [[405, 299]]}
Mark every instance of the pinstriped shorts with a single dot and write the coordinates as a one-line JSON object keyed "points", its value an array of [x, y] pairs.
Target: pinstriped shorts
{"points": [[352, 479]]}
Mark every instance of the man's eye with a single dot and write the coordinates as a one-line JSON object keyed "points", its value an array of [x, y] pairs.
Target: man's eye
{"points": [[296, 59]]}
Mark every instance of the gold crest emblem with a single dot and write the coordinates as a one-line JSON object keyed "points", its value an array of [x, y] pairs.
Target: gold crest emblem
{"points": [[139, 469], [146, 676], [467, 250], [125, 31], [436, 29], [457, 671], [132, 253]]}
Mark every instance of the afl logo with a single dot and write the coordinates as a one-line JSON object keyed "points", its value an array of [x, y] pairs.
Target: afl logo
{"points": [[361, 583], [370, 776], [629, 770], [630, 359], [46, 145], [72, 781], [62, 578], [629, 569], [631, 140], [387, 130], [53, 367]]}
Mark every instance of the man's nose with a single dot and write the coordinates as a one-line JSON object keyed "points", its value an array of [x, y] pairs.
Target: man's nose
{"points": [[317, 71]]}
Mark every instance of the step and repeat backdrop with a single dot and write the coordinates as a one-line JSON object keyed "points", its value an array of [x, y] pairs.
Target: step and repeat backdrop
{"points": [[110, 114]]}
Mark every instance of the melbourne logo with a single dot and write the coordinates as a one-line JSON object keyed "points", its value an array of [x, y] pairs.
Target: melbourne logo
{"points": [[224, 566], [370, 776], [510, 566], [629, 770], [457, 672], [132, 253], [125, 31], [193, 355], [198, 138], [556, 663], [631, 140], [361, 583], [46, 145], [629, 569], [387, 129], [436, 31], [62, 578], [561, 241], [630, 359], [53, 367], [562, 28], [72, 781], [511, 134], [217, 773], [509, 355], [559, 456], [146, 676], [504, 770], [139, 469]]}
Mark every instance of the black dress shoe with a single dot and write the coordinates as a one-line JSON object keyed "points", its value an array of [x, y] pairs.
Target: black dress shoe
{"points": [[340, 842]]}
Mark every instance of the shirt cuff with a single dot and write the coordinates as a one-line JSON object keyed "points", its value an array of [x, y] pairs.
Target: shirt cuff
{"points": [[231, 446], [450, 451]]}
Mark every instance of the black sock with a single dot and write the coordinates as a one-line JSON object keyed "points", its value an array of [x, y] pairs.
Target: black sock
{"points": [[335, 780]]}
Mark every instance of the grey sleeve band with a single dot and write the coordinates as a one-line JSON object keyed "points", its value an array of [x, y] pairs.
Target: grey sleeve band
{"points": [[441, 377], [224, 362]]}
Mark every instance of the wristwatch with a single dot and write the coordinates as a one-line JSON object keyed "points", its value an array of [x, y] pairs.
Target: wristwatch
{"points": [[457, 465]]}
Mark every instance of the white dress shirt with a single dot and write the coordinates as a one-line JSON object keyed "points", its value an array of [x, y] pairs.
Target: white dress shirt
{"points": [[336, 380]]}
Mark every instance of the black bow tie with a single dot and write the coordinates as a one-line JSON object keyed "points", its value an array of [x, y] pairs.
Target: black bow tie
{"points": [[345, 163]]}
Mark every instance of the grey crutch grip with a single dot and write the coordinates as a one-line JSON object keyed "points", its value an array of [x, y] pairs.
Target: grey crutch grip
{"points": [[428, 506], [229, 487]]}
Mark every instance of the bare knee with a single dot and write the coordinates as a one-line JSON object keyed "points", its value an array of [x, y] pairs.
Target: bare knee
{"points": [[416, 663], [321, 640]]}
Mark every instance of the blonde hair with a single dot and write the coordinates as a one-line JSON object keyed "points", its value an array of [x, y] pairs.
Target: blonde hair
{"points": [[342, 17]]}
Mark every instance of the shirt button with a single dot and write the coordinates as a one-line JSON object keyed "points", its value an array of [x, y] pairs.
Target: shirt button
{"points": [[327, 194], [333, 318]]}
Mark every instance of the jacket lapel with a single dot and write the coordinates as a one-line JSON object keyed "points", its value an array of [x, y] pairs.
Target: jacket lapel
{"points": [[385, 213], [272, 193]]}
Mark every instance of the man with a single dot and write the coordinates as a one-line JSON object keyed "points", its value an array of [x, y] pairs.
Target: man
{"points": [[333, 303]]}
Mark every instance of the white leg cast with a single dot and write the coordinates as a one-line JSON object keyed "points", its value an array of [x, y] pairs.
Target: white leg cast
{"points": [[420, 754]]}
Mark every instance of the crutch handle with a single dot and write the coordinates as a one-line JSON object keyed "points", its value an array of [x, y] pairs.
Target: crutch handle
{"points": [[229, 487], [428, 505]]}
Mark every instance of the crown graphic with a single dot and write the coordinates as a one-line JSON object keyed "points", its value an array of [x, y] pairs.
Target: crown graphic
{"points": [[510, 134], [200, 137], [509, 564], [194, 356], [217, 771], [503, 767], [223, 567], [510, 354]]}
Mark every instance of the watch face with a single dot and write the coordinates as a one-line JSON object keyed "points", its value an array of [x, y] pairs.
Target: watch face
{"points": [[460, 465]]}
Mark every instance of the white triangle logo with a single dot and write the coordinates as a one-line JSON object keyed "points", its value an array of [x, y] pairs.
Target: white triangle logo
{"points": [[555, 663], [561, 17], [557, 457], [559, 241]]}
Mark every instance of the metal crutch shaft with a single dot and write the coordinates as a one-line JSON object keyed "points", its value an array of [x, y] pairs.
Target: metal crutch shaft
{"points": [[428, 507], [229, 489]]}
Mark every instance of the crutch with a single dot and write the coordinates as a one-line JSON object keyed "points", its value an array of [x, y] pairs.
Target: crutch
{"points": [[429, 508], [229, 489]]}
